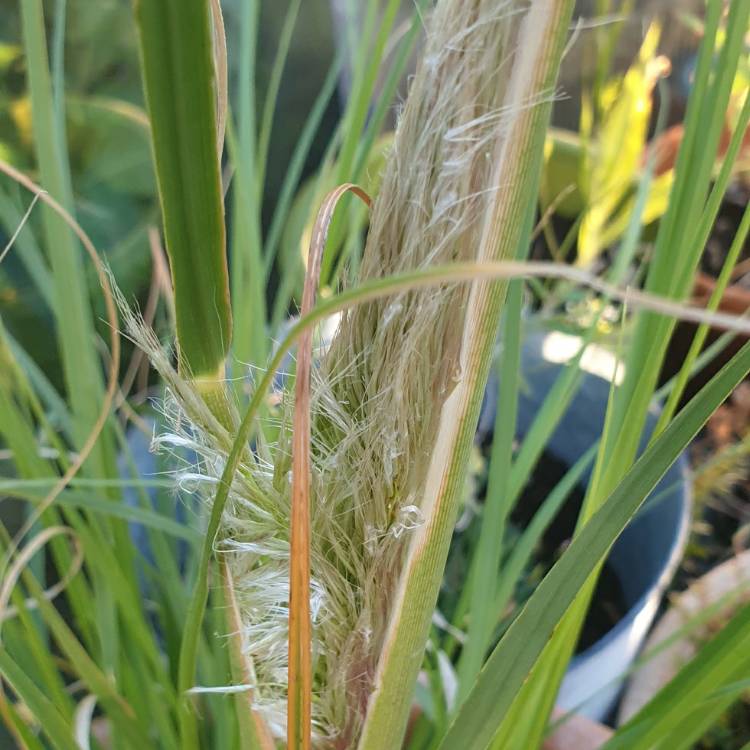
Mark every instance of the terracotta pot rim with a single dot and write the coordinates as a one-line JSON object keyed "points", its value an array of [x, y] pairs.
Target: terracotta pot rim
{"points": [[736, 298]]}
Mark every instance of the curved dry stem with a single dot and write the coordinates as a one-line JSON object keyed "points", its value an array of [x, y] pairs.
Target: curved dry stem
{"points": [[22, 560], [114, 364], [19, 228], [635, 299]]}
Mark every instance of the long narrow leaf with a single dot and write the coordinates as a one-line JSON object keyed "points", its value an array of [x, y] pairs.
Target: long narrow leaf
{"points": [[695, 692], [178, 72], [74, 319], [515, 656], [59, 732]]}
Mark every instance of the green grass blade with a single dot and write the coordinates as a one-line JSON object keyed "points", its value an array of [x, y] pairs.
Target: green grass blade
{"points": [[57, 60], [297, 162], [676, 255], [524, 548], [368, 64], [486, 559], [90, 673], [83, 501], [109, 571], [545, 422], [27, 249], [75, 327], [59, 732], [248, 292], [25, 734], [698, 691], [374, 128], [731, 258], [692, 124], [390, 85], [26, 640], [18, 433], [272, 94], [55, 406], [178, 73], [514, 658]]}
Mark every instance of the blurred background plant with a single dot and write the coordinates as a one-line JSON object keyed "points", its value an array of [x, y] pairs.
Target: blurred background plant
{"points": [[310, 107]]}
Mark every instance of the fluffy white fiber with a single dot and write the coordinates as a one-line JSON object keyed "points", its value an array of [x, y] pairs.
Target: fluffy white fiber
{"points": [[377, 391]]}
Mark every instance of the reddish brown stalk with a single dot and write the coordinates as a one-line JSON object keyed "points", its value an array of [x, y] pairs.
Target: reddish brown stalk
{"points": [[299, 711]]}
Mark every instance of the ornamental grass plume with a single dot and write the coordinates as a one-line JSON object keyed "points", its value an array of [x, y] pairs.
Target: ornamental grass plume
{"points": [[399, 384]]}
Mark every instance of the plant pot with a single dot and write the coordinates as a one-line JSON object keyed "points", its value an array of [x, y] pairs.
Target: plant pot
{"points": [[647, 553], [731, 576]]}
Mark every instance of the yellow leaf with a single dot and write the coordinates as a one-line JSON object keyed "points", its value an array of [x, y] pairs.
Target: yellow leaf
{"points": [[617, 149]]}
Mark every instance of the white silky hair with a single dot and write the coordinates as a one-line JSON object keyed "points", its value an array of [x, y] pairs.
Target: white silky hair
{"points": [[377, 390]]}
